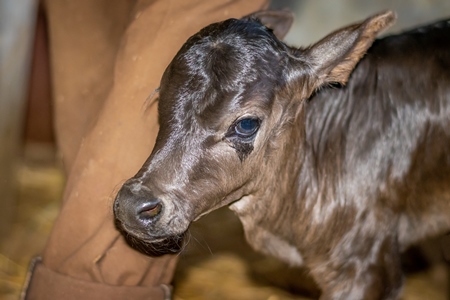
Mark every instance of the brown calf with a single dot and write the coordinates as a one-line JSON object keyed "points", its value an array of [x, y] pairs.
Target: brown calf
{"points": [[340, 179]]}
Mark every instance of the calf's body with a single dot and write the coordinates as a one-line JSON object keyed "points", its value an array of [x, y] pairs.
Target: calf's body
{"points": [[338, 178]]}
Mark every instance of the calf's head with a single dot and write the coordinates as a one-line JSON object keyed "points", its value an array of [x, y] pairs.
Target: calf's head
{"points": [[230, 108]]}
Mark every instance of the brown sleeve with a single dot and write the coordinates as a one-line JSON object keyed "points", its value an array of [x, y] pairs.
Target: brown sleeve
{"points": [[107, 57]]}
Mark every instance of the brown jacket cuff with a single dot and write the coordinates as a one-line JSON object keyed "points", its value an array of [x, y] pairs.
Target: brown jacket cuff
{"points": [[43, 283]]}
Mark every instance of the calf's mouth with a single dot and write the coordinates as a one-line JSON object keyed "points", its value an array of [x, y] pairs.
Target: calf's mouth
{"points": [[150, 245]]}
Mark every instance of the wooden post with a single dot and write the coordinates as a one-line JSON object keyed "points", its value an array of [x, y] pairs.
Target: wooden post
{"points": [[17, 23]]}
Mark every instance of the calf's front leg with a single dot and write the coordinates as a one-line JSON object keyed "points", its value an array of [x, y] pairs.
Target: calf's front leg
{"points": [[361, 268]]}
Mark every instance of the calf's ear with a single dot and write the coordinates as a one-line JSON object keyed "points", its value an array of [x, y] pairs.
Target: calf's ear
{"points": [[332, 59], [280, 21]]}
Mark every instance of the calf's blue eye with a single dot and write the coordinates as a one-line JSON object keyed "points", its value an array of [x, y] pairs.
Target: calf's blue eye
{"points": [[247, 127]]}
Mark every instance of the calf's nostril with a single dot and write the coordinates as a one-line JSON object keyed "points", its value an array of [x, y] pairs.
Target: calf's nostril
{"points": [[149, 210]]}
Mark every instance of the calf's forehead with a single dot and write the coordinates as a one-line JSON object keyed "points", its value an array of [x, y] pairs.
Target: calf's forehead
{"points": [[221, 68]]}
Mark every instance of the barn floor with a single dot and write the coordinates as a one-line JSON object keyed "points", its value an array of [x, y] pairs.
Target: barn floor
{"points": [[217, 264]]}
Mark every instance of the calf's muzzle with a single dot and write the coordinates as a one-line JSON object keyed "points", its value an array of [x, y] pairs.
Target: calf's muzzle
{"points": [[136, 206], [143, 218]]}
